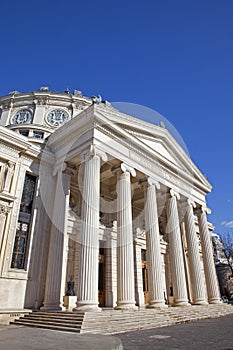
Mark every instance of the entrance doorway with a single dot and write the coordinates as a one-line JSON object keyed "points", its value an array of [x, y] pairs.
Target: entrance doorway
{"points": [[145, 276], [101, 284]]}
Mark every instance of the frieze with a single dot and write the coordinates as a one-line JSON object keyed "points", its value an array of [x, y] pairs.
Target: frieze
{"points": [[7, 150]]}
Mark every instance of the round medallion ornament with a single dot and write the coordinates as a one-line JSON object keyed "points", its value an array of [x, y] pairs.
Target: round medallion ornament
{"points": [[57, 117], [24, 116]]}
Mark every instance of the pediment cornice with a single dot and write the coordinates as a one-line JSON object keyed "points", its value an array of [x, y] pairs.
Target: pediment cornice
{"points": [[149, 159]]}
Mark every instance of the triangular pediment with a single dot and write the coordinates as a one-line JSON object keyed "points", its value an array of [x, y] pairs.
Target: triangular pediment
{"points": [[159, 147], [156, 141], [151, 141]]}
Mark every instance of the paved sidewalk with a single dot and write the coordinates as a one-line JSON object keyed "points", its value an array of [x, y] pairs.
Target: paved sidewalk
{"points": [[26, 338], [209, 334]]}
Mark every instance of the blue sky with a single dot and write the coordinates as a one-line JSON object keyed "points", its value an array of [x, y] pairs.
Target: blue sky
{"points": [[174, 56]]}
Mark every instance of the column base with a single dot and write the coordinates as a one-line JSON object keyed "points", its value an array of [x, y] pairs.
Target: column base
{"points": [[153, 304], [181, 303], [86, 306], [215, 301], [126, 305], [200, 302]]}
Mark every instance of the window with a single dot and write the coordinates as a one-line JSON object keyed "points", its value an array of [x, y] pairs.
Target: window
{"points": [[38, 134], [23, 226], [19, 252], [24, 132]]}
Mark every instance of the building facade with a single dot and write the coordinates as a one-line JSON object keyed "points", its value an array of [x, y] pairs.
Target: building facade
{"points": [[98, 208]]}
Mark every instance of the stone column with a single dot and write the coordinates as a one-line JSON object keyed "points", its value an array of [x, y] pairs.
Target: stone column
{"points": [[89, 237], [54, 283], [194, 259], [155, 278], [208, 259], [125, 260], [176, 252]]}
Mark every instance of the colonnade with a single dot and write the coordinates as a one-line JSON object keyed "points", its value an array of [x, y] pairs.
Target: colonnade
{"points": [[89, 245]]}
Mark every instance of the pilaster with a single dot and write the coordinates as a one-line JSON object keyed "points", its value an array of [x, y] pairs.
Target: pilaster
{"points": [[54, 288]]}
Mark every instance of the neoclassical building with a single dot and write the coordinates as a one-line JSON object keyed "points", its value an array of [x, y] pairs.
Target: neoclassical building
{"points": [[98, 209]]}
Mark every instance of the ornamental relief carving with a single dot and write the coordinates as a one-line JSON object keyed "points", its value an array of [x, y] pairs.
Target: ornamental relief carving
{"points": [[4, 209], [6, 174], [42, 101]]}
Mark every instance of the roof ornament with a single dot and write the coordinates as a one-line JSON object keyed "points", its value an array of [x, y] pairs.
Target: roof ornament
{"points": [[78, 93], [14, 92], [44, 89], [96, 99], [162, 125]]}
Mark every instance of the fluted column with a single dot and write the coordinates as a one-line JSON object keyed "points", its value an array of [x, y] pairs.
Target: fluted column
{"points": [[89, 237], [155, 278], [176, 252], [195, 267], [53, 286], [208, 259], [125, 260]]}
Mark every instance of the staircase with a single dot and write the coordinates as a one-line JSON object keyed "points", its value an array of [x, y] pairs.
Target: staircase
{"points": [[60, 321], [117, 321]]}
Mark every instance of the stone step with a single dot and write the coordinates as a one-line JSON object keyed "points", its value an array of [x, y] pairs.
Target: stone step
{"points": [[54, 317], [51, 321], [116, 321], [47, 326], [60, 314]]}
